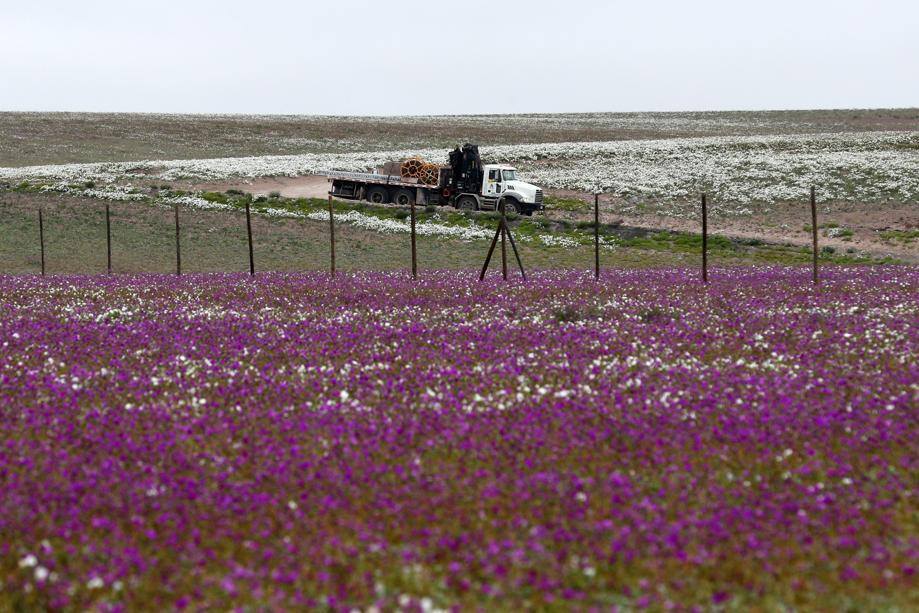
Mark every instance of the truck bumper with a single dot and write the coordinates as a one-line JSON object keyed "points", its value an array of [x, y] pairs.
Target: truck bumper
{"points": [[529, 209]]}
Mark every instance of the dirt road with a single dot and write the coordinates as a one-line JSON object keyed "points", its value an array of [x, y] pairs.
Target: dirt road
{"points": [[288, 187]]}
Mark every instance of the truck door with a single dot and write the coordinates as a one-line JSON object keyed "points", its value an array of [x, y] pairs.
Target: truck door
{"points": [[493, 182]]}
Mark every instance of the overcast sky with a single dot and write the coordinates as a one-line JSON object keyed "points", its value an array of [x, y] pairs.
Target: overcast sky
{"points": [[402, 57]]}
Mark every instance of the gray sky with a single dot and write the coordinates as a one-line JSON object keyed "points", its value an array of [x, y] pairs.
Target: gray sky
{"points": [[466, 56]]}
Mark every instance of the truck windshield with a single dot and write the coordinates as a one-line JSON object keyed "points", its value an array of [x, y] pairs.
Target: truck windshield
{"points": [[510, 175]]}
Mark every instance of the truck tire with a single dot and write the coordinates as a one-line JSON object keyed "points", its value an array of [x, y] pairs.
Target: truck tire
{"points": [[403, 197], [511, 206], [377, 195], [467, 203]]}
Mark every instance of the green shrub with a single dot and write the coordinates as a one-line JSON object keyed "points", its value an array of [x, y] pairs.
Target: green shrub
{"points": [[565, 204], [216, 197], [906, 236]]}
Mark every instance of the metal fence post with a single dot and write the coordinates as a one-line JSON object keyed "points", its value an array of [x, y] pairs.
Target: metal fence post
{"points": [[414, 247], [332, 235], [814, 229], [178, 246], [704, 239], [41, 240], [597, 236], [108, 237], [249, 235], [503, 223]]}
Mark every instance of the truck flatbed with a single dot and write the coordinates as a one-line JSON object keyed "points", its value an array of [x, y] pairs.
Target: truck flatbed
{"points": [[373, 177], [465, 183]]}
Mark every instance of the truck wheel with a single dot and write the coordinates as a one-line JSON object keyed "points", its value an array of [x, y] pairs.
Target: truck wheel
{"points": [[377, 195], [511, 206], [404, 197], [467, 203]]}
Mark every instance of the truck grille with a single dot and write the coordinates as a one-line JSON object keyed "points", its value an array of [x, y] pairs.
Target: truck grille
{"points": [[538, 196]]}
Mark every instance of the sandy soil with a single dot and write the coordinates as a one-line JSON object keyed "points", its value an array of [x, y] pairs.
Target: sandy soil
{"points": [[288, 187]]}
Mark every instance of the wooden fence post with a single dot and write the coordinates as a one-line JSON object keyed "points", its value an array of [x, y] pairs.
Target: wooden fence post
{"points": [[704, 239], [332, 235], [249, 235], [178, 246], [414, 248], [814, 229], [41, 240], [597, 236], [108, 237]]}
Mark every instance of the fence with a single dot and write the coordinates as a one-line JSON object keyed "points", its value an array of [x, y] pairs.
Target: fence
{"points": [[503, 234]]}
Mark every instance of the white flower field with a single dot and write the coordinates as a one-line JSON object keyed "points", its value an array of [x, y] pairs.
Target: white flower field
{"points": [[737, 171]]}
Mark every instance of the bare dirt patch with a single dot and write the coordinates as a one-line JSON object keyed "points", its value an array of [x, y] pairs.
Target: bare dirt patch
{"points": [[288, 187]]}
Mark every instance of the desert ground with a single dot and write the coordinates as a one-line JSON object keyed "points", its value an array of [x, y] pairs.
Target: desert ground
{"points": [[650, 168], [29, 139]]}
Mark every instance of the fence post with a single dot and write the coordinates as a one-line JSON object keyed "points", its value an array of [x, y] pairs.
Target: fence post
{"points": [[249, 235], [597, 236], [41, 240], [414, 248], [814, 229], [178, 247], [503, 223], [108, 237], [704, 239], [332, 234]]}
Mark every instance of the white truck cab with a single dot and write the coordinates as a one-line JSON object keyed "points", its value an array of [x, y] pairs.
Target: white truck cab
{"points": [[501, 180]]}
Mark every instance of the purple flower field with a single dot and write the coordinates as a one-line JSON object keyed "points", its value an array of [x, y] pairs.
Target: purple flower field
{"points": [[376, 443]]}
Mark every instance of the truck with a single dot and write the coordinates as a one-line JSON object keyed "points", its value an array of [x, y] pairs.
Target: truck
{"points": [[464, 183]]}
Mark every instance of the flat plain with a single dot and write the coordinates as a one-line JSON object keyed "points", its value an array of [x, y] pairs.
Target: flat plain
{"points": [[756, 167]]}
